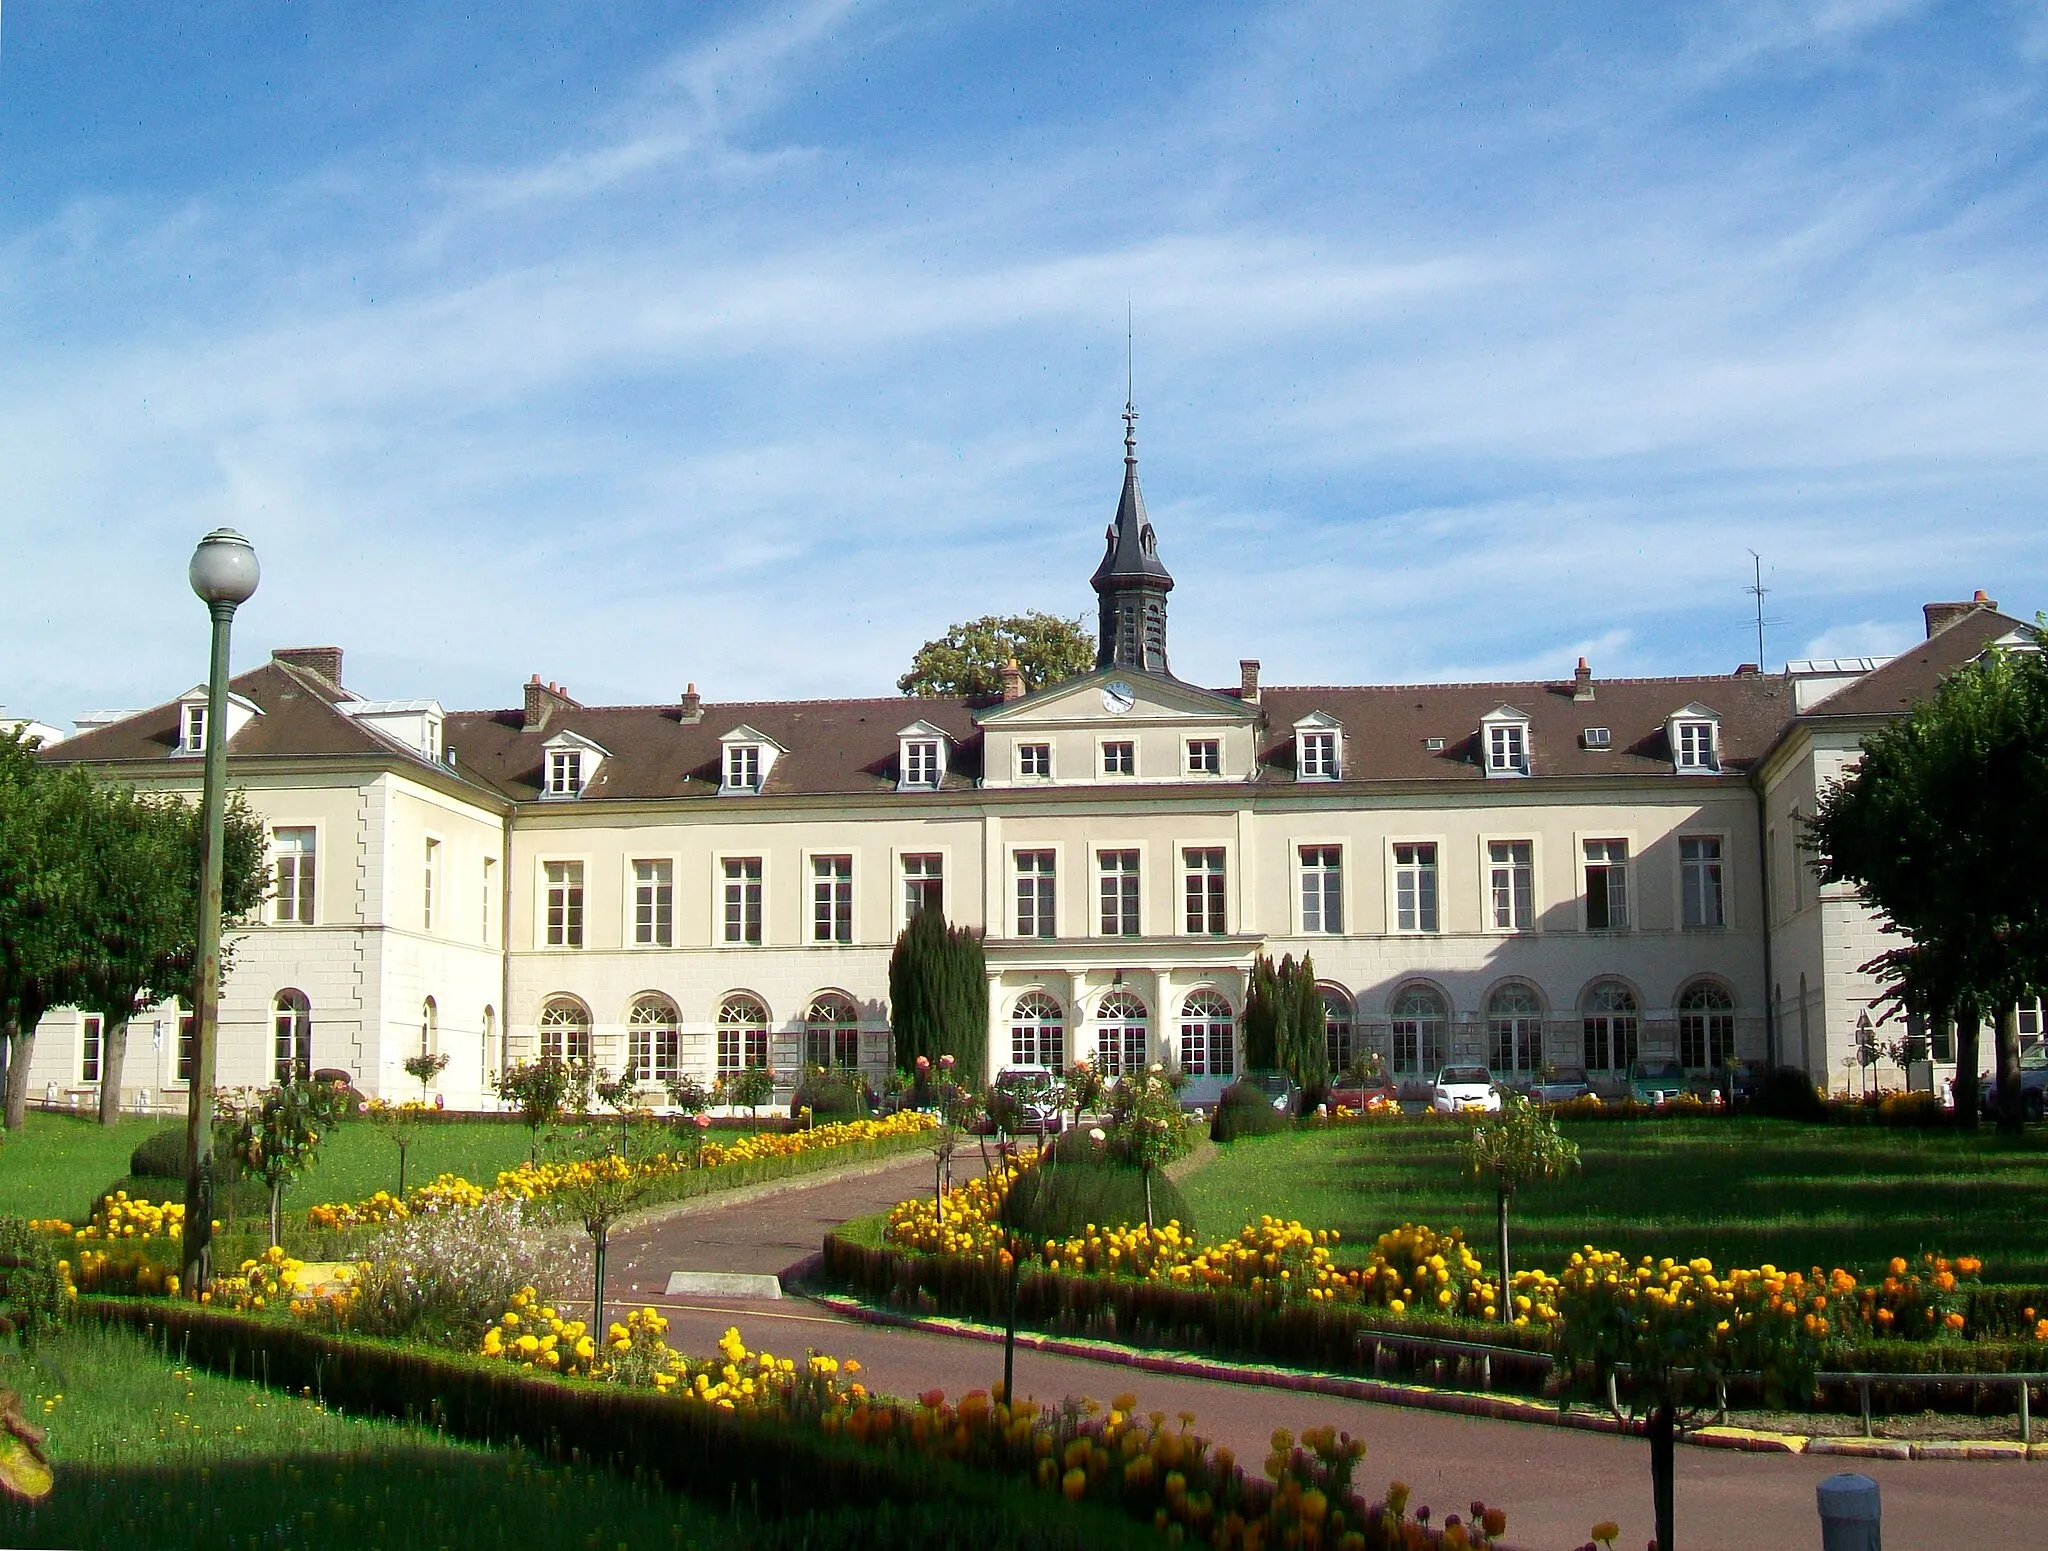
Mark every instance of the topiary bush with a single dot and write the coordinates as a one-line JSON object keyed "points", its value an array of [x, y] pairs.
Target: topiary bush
{"points": [[1787, 1093], [1244, 1111], [161, 1155], [1061, 1201], [836, 1095]]}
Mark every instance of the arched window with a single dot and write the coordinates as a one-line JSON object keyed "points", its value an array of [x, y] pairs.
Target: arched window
{"points": [[652, 1041], [1338, 1031], [1208, 1046], [1706, 1026], [1038, 1032], [292, 1020], [832, 1031], [1422, 1025], [1611, 1021], [1514, 1030], [430, 1027], [1122, 1026], [742, 1033], [565, 1029]]}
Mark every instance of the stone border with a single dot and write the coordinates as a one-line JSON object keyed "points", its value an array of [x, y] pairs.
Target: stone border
{"points": [[1500, 1408]]}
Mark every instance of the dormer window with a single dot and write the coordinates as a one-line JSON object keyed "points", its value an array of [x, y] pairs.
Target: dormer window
{"points": [[565, 773], [190, 737], [748, 756], [1504, 742], [193, 739], [920, 758], [568, 765], [1695, 734], [1319, 749]]}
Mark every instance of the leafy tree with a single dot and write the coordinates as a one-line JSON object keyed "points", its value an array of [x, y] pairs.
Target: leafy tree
{"points": [[1146, 1128], [539, 1088], [1516, 1147], [938, 993], [1081, 1086], [45, 900], [752, 1086], [1943, 827], [275, 1133], [968, 659], [1284, 1021], [424, 1068]]}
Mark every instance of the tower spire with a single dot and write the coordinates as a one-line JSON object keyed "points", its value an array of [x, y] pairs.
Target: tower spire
{"points": [[1131, 582]]}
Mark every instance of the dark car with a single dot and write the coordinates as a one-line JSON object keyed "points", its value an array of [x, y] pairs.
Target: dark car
{"points": [[1561, 1086], [1655, 1082], [2033, 1086], [1277, 1086]]}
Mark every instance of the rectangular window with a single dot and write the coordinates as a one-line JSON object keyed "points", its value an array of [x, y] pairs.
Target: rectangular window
{"points": [[1507, 748], [924, 885], [490, 895], [430, 872], [743, 767], [89, 1056], [921, 763], [1119, 871], [831, 899], [1699, 864], [743, 899], [195, 729], [1415, 887], [188, 1046], [2030, 1018], [1606, 885], [1204, 875], [1034, 761], [1322, 889], [1696, 745], [654, 905], [1319, 756], [1119, 759], [1037, 892], [294, 901], [565, 904], [1205, 756], [1511, 881], [565, 772]]}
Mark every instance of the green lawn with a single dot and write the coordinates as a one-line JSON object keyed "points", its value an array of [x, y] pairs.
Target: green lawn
{"points": [[148, 1454], [1738, 1191]]}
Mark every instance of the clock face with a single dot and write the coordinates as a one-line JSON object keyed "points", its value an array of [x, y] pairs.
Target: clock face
{"points": [[1117, 697]]}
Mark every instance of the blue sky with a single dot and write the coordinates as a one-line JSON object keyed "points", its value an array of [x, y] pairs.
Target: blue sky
{"points": [[635, 345]]}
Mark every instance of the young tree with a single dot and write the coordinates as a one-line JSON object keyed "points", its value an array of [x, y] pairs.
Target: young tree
{"points": [[1519, 1145], [539, 1089], [752, 1086], [400, 1123], [938, 993], [1146, 1126], [275, 1133], [968, 660], [1081, 1085], [424, 1068], [608, 1178], [1943, 828]]}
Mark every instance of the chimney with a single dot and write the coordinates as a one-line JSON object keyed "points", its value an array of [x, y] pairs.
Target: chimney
{"points": [[1941, 615], [691, 706], [542, 700], [1248, 680], [1582, 681], [1747, 670], [323, 660], [1013, 681]]}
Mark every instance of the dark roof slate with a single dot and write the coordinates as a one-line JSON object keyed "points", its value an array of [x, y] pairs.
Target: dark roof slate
{"points": [[298, 720], [1913, 675]]}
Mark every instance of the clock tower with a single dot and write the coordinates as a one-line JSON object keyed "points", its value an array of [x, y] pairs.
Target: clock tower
{"points": [[1131, 583]]}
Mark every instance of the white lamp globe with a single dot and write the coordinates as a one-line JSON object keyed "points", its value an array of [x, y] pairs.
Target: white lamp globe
{"points": [[224, 568]]}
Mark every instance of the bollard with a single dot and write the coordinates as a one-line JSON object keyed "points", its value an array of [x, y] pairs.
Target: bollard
{"points": [[1849, 1514]]}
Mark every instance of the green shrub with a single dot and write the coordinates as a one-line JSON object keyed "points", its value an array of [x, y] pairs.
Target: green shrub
{"points": [[32, 1297], [1244, 1110], [1787, 1093], [830, 1095], [1061, 1201], [161, 1155]]}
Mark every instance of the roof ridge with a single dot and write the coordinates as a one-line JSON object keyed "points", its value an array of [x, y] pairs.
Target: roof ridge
{"points": [[965, 702], [1546, 684]]}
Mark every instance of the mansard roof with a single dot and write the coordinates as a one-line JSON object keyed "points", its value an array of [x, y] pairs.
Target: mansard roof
{"points": [[1914, 674]]}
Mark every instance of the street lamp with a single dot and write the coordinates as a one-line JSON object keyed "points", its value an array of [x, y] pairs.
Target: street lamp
{"points": [[224, 573]]}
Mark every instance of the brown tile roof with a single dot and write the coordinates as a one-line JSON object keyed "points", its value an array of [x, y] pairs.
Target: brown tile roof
{"points": [[831, 746], [1387, 727], [1913, 675]]}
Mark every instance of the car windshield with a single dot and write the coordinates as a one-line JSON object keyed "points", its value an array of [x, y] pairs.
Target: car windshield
{"points": [[1566, 1074], [1670, 1069], [2034, 1059], [1466, 1074], [1025, 1082], [1269, 1082]]}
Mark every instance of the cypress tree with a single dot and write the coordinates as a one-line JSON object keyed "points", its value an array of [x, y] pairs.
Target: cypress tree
{"points": [[938, 995], [1261, 1016]]}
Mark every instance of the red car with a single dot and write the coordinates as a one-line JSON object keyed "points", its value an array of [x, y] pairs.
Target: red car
{"points": [[1357, 1097]]}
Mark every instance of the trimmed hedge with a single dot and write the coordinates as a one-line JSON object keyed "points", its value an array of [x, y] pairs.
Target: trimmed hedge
{"points": [[1061, 1200], [715, 1456], [1244, 1110]]}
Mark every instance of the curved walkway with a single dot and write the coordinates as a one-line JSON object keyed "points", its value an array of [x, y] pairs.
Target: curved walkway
{"points": [[1554, 1484]]}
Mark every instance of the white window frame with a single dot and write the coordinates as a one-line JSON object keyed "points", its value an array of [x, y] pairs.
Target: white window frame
{"points": [[1488, 921], [1104, 745], [1096, 851], [656, 938], [1720, 839], [1319, 754], [1210, 1040], [192, 727], [1693, 734], [1506, 744], [1297, 871], [1192, 768], [742, 759], [1021, 745], [431, 891], [564, 774], [92, 1047], [298, 889], [900, 876], [844, 893], [921, 759], [540, 917], [718, 884], [490, 909], [1631, 894], [1435, 869], [1017, 875], [1215, 906]]}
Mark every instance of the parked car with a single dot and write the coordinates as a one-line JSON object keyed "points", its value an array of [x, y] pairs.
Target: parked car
{"points": [[1564, 1084], [1363, 1095], [1204, 1093], [1655, 1082], [1277, 1086], [2033, 1086], [1464, 1087], [1037, 1089]]}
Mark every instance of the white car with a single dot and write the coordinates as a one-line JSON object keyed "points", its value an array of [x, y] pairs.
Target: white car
{"points": [[1460, 1088]]}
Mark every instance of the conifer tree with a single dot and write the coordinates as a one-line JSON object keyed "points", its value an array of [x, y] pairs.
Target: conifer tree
{"points": [[938, 994]]}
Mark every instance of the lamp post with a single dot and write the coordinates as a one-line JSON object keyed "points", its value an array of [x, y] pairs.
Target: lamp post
{"points": [[224, 574]]}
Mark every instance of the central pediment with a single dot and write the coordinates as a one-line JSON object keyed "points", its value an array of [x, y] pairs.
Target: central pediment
{"points": [[1118, 727], [1112, 696]]}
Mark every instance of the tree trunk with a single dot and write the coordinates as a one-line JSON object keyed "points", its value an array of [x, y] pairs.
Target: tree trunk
{"points": [[401, 1171], [113, 1055], [1966, 1068], [2010, 1115], [1010, 1333], [597, 1240], [939, 1185], [276, 1209], [1148, 1199], [1663, 1469], [1507, 1280], [20, 1047]]}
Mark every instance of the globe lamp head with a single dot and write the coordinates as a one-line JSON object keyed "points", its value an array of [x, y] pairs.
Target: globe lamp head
{"points": [[224, 568]]}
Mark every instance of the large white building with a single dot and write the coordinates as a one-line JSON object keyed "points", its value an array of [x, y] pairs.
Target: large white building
{"points": [[1575, 871]]}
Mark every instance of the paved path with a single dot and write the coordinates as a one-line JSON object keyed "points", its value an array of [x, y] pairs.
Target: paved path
{"points": [[1555, 1484]]}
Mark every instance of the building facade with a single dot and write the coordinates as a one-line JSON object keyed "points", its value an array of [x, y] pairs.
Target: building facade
{"points": [[1578, 872]]}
